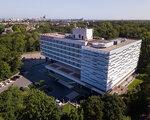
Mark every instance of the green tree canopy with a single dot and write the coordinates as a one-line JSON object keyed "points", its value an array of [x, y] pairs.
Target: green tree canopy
{"points": [[114, 107], [92, 108], [39, 106]]}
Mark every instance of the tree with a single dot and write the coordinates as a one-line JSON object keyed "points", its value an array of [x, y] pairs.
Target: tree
{"points": [[1, 28], [65, 116], [145, 51], [19, 28], [92, 108], [39, 106], [73, 115], [136, 101], [106, 30], [11, 103], [18, 42], [4, 53], [148, 70], [114, 107], [4, 70], [15, 62]]}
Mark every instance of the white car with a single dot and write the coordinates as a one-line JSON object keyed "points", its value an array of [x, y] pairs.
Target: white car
{"points": [[4, 83], [58, 102], [1, 84], [9, 81]]}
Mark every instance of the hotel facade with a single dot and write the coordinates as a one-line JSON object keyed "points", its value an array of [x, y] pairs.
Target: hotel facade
{"points": [[97, 64]]}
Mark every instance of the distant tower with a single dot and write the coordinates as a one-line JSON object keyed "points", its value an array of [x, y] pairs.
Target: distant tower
{"points": [[75, 25], [44, 17]]}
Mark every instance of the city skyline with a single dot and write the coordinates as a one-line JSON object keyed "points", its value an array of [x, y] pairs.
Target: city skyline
{"points": [[96, 9]]}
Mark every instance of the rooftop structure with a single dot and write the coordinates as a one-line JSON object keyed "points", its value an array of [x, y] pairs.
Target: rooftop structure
{"points": [[102, 64]]}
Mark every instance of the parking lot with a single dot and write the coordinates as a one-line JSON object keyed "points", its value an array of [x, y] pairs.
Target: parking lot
{"points": [[20, 82], [34, 70]]}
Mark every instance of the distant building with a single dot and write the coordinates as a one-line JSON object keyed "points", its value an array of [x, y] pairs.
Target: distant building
{"points": [[97, 64], [7, 30]]}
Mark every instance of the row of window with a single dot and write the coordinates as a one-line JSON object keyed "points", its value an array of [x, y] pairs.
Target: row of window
{"points": [[62, 47], [62, 42], [62, 58], [101, 74], [61, 55], [94, 54], [61, 51], [93, 82], [98, 63]]}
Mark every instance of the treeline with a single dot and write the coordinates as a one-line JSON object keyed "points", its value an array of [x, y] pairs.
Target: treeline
{"points": [[12, 45], [32, 104]]}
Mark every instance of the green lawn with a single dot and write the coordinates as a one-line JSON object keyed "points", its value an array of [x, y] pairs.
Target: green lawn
{"points": [[67, 108], [134, 83]]}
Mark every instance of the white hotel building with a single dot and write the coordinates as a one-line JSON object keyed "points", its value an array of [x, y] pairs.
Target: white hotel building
{"points": [[97, 64]]}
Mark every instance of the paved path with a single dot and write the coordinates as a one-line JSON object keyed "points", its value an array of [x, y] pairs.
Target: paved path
{"points": [[22, 82], [33, 55]]}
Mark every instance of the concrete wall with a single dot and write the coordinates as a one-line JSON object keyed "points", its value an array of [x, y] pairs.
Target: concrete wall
{"points": [[62, 51], [122, 62], [81, 33], [105, 70], [100, 69], [94, 66]]}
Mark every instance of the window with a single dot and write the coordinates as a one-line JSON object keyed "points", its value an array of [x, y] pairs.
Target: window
{"points": [[82, 37], [79, 36]]}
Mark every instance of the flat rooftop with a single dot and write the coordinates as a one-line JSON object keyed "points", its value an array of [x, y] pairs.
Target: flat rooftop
{"points": [[112, 47], [63, 37], [54, 35]]}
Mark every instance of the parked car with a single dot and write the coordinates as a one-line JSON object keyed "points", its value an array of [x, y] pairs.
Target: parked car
{"points": [[4, 83], [1, 84], [10, 81], [58, 102]]}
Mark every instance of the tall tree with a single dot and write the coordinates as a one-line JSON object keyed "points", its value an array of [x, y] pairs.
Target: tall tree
{"points": [[11, 104], [4, 70], [39, 106], [106, 30], [114, 107], [92, 108], [1, 28]]}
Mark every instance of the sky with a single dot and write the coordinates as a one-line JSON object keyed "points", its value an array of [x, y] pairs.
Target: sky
{"points": [[69, 9]]}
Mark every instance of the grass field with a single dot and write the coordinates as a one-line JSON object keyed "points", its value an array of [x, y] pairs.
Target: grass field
{"points": [[134, 84], [67, 108]]}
